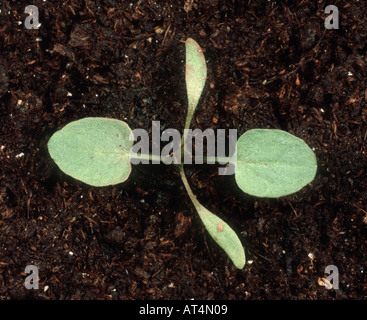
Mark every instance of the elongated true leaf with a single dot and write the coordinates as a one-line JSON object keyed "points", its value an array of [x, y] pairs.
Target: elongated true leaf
{"points": [[223, 234], [273, 163], [195, 75], [220, 231], [93, 150]]}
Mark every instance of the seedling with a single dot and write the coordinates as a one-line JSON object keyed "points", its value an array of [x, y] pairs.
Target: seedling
{"points": [[268, 162]]}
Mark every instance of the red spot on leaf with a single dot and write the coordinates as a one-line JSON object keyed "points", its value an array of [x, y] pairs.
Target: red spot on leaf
{"points": [[220, 226]]}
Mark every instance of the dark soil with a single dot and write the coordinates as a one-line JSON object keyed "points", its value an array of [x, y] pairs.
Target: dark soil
{"points": [[270, 65]]}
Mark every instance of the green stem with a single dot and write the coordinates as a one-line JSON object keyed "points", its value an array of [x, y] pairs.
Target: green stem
{"points": [[187, 187], [152, 157], [217, 159]]}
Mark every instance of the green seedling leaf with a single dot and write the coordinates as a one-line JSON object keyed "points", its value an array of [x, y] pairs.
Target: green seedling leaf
{"points": [[93, 150], [195, 75], [273, 163], [220, 231], [223, 234]]}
